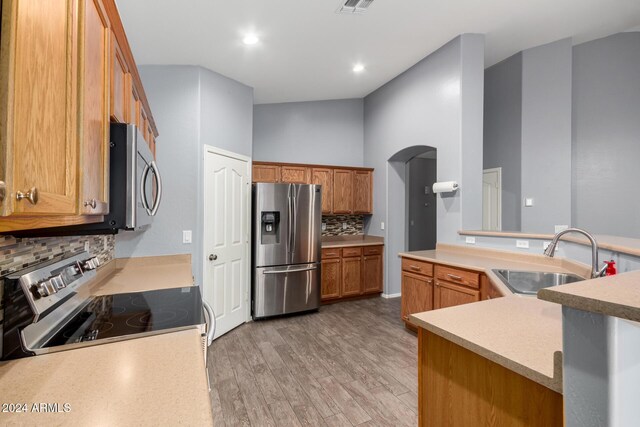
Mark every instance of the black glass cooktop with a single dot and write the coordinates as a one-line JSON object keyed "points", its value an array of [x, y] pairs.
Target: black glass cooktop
{"points": [[133, 313]]}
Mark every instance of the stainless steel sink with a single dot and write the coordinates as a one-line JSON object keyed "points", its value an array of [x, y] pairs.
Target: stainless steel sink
{"points": [[530, 282]]}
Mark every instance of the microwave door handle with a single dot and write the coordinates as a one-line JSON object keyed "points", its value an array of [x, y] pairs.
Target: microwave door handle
{"points": [[158, 198], [143, 192]]}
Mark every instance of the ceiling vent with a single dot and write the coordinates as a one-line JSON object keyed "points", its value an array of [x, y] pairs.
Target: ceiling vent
{"points": [[354, 6]]}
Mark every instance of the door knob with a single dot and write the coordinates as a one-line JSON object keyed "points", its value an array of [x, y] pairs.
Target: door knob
{"points": [[31, 195], [213, 257]]}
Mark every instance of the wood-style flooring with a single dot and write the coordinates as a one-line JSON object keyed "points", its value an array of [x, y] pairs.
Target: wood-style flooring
{"points": [[351, 363]]}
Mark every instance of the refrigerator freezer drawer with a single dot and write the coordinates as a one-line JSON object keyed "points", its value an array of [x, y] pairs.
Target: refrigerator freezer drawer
{"points": [[287, 289]]}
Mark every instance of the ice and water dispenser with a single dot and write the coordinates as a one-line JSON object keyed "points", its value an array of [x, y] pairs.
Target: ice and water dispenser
{"points": [[270, 229]]}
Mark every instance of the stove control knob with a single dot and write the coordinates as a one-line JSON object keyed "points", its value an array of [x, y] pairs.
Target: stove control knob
{"points": [[51, 287], [91, 264], [37, 291], [57, 282]]}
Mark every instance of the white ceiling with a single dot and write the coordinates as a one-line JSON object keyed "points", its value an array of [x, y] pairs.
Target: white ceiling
{"points": [[307, 51]]}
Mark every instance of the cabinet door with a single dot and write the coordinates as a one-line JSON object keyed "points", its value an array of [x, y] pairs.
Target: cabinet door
{"points": [[351, 276], [449, 295], [331, 275], [324, 177], [362, 192], [134, 107], [372, 274], [294, 174], [120, 80], [266, 173], [94, 92], [38, 107], [417, 294], [342, 191]]}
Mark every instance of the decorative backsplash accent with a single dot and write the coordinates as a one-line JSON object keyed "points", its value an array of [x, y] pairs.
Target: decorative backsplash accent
{"points": [[19, 253], [354, 225]]}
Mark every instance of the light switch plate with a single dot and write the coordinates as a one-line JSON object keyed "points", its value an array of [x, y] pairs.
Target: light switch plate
{"points": [[528, 202], [324, 226], [523, 244], [382, 225], [344, 225], [186, 236], [470, 240]]}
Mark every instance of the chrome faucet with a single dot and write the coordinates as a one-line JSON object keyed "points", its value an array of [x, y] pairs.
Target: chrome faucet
{"points": [[594, 249]]}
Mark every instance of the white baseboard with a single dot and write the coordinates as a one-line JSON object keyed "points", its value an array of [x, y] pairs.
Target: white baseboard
{"points": [[391, 295]]}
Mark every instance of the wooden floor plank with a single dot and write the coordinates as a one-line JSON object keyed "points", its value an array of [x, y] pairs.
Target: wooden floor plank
{"points": [[351, 363]]}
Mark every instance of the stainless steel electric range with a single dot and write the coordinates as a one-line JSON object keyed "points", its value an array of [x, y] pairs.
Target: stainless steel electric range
{"points": [[48, 308]]}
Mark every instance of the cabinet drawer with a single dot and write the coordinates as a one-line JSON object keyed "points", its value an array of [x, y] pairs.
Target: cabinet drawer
{"points": [[419, 267], [348, 252], [460, 277], [372, 250], [330, 253]]}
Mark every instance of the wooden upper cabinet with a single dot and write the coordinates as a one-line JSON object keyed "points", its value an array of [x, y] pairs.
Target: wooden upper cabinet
{"points": [[362, 192], [266, 173], [342, 191], [294, 174], [38, 105], [120, 81], [324, 177], [94, 133]]}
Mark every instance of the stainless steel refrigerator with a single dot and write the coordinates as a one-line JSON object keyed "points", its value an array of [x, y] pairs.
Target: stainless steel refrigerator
{"points": [[286, 248]]}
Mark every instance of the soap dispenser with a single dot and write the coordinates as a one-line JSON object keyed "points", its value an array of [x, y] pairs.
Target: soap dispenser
{"points": [[611, 268]]}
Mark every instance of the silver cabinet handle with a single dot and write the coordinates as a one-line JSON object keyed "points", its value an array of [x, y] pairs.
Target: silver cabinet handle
{"points": [[93, 203], [213, 257], [289, 271], [454, 277], [3, 191], [31, 195]]}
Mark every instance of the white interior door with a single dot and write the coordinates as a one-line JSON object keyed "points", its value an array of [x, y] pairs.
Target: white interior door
{"points": [[226, 237], [492, 199]]}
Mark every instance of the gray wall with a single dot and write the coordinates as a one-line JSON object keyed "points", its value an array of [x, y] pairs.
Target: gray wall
{"points": [[546, 136], [438, 103], [319, 132], [503, 133], [192, 106], [606, 135], [421, 207]]}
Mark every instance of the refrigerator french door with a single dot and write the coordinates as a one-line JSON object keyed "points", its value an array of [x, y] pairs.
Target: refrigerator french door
{"points": [[286, 249]]}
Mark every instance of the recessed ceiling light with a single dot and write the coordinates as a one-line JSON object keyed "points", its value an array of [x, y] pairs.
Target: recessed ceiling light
{"points": [[358, 68], [250, 39]]}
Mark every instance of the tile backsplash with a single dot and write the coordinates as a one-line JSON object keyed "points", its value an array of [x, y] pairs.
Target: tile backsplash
{"points": [[19, 253], [334, 225]]}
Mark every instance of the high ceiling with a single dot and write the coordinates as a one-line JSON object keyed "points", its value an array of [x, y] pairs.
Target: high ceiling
{"points": [[307, 51]]}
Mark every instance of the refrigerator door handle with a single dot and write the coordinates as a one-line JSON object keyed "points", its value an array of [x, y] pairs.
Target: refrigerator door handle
{"points": [[297, 270], [294, 222]]}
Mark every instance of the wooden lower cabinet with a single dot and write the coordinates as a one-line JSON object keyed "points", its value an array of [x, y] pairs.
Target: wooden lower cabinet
{"points": [[457, 387], [351, 277], [351, 272], [449, 295], [417, 294], [331, 278]]}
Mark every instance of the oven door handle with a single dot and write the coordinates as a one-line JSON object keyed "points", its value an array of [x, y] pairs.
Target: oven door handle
{"points": [[211, 321]]}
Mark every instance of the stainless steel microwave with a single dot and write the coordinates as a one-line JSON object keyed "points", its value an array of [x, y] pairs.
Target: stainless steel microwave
{"points": [[135, 188]]}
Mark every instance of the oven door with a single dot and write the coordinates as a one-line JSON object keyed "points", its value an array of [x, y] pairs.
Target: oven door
{"points": [[149, 186]]}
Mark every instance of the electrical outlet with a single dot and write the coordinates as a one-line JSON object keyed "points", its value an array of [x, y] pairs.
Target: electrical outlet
{"points": [[382, 225], [324, 226], [523, 244], [86, 246], [186, 237], [528, 202], [470, 240], [344, 225]]}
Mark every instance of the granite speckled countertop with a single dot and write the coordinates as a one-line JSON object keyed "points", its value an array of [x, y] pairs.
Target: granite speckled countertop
{"points": [[521, 334], [151, 381], [617, 296], [349, 241]]}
